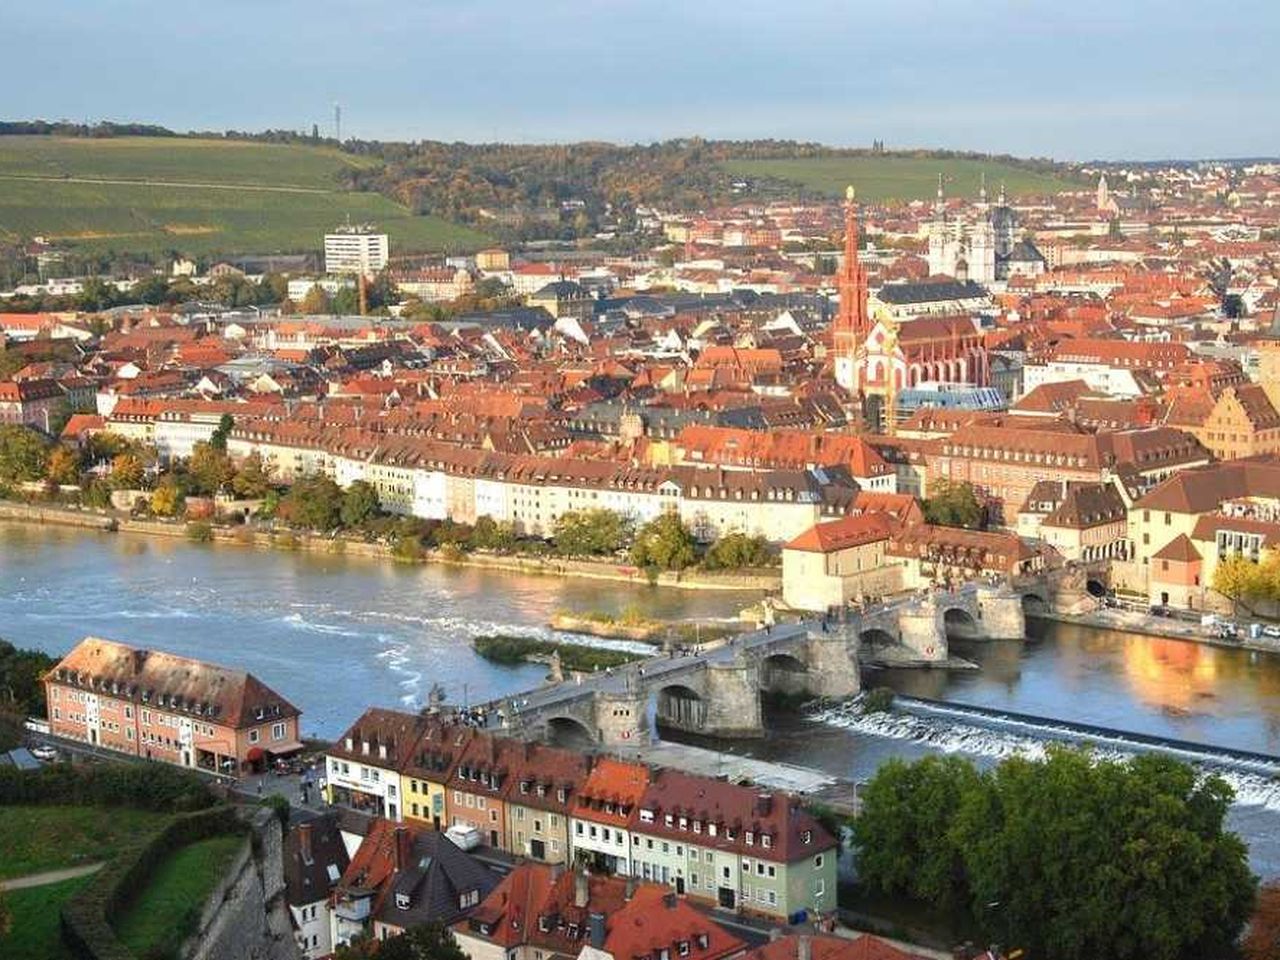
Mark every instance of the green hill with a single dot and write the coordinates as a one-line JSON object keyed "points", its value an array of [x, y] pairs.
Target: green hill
{"points": [[142, 194], [878, 178]]}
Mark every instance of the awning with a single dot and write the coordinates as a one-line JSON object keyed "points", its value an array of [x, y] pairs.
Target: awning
{"points": [[254, 755], [285, 749]]}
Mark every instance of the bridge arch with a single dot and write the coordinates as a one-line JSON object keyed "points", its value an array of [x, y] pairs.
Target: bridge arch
{"points": [[565, 731], [681, 707], [959, 622], [1095, 587], [876, 637], [784, 673], [1034, 605]]}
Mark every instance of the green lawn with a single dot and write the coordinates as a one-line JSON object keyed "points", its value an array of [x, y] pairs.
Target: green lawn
{"points": [[166, 911], [36, 933], [258, 198], [899, 178], [39, 838]]}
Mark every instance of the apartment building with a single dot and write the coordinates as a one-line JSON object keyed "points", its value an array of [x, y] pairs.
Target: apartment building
{"points": [[160, 706], [355, 250]]}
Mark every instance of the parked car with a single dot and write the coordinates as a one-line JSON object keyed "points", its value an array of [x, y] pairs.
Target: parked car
{"points": [[44, 753], [1271, 631]]}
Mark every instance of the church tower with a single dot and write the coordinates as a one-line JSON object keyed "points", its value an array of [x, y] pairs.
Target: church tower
{"points": [[851, 324], [938, 235], [982, 240], [1104, 195]]}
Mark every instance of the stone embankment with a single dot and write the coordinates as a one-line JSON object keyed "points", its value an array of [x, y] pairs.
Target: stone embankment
{"points": [[755, 581]]}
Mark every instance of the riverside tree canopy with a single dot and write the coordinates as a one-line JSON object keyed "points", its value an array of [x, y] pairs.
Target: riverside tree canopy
{"points": [[1068, 856]]}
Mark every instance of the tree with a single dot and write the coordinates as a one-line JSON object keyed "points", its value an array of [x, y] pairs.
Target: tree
{"points": [[218, 440], [1262, 942], [168, 498], [1066, 856], [488, 534], [427, 942], [63, 467], [314, 502], [6, 915], [21, 689], [251, 481], [954, 505], [590, 533], [23, 454], [316, 301], [359, 503], [664, 543], [345, 303], [734, 551], [1239, 578], [903, 833], [127, 472], [210, 469]]}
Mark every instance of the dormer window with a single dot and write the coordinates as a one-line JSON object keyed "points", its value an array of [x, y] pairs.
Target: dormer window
{"points": [[702, 940], [544, 924], [561, 795], [524, 786], [750, 838], [766, 841], [806, 836], [697, 826], [382, 751], [682, 948], [669, 820], [402, 901], [684, 823]]}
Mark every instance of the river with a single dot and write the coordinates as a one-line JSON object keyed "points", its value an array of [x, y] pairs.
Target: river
{"points": [[336, 634]]}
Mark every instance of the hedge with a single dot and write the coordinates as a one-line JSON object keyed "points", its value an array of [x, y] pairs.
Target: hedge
{"points": [[147, 786], [86, 929]]}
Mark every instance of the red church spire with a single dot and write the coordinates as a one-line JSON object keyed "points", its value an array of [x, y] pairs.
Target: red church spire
{"points": [[851, 322]]}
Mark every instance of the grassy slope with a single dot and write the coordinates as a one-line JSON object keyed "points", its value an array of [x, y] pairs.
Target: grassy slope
{"points": [[39, 838], [179, 886], [156, 214], [898, 178], [36, 933]]}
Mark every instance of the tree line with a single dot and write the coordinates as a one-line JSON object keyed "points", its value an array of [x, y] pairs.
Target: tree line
{"points": [[1069, 856]]}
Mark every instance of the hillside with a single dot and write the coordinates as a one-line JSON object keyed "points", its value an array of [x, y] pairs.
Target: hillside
{"points": [[889, 177], [201, 197]]}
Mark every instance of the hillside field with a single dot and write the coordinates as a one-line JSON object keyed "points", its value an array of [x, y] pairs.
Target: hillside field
{"points": [[200, 197], [899, 178]]}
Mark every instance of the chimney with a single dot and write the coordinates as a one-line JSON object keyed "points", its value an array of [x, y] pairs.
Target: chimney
{"points": [[804, 949], [403, 846], [595, 928], [304, 841], [581, 888]]}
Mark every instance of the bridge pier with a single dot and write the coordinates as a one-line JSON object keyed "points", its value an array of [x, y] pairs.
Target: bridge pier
{"points": [[833, 664], [922, 630], [733, 701], [1000, 614], [621, 719]]}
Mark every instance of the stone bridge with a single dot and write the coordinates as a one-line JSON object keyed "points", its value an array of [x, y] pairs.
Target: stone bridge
{"points": [[717, 692]]}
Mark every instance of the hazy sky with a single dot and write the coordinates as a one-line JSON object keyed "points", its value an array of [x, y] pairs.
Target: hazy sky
{"points": [[1065, 79]]}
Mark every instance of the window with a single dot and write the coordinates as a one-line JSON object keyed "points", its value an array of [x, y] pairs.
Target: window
{"points": [[253, 736], [277, 731], [817, 862]]}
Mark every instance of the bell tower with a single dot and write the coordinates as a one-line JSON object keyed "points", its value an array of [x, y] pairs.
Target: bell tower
{"points": [[851, 324]]}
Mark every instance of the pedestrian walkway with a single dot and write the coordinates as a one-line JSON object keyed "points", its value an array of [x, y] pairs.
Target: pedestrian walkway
{"points": [[50, 876]]}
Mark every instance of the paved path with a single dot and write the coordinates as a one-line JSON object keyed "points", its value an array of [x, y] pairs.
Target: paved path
{"points": [[50, 876]]}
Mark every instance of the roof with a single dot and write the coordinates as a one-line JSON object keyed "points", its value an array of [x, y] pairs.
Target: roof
{"points": [[820, 947], [180, 684], [564, 912], [843, 534], [611, 791], [430, 883], [314, 858], [1179, 549], [930, 291], [1201, 490]]}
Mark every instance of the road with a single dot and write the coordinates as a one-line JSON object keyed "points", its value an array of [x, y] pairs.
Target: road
{"points": [[50, 876]]}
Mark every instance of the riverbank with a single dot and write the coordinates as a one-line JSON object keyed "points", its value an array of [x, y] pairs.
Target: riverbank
{"points": [[1165, 628], [110, 521]]}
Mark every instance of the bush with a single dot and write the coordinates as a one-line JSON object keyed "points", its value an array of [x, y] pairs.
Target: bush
{"points": [[200, 531], [879, 700], [407, 549], [147, 786]]}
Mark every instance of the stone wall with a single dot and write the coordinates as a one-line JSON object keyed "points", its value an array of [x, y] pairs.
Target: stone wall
{"points": [[246, 917]]}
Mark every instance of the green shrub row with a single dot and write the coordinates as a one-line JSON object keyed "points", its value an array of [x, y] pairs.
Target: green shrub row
{"points": [[86, 929], [508, 649]]}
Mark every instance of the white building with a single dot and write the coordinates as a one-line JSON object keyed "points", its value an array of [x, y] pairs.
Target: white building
{"points": [[355, 250]]}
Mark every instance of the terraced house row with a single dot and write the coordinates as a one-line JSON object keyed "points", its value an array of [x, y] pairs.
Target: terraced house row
{"points": [[737, 846], [425, 478]]}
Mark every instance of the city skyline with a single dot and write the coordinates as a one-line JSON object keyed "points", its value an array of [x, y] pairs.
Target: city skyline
{"points": [[1092, 81]]}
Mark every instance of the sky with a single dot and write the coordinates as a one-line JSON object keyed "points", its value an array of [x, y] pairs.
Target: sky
{"points": [[1124, 79]]}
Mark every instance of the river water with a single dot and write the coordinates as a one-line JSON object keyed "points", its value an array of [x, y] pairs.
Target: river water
{"points": [[336, 634]]}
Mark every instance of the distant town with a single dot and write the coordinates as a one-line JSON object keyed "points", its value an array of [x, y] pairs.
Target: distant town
{"points": [[900, 426]]}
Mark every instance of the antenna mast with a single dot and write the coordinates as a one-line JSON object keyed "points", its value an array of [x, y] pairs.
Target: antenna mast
{"points": [[337, 121]]}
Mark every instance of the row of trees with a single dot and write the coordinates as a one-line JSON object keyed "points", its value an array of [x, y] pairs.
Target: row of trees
{"points": [[954, 505], [1068, 856]]}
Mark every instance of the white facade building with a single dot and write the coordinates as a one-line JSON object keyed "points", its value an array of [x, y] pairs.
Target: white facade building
{"points": [[355, 250]]}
